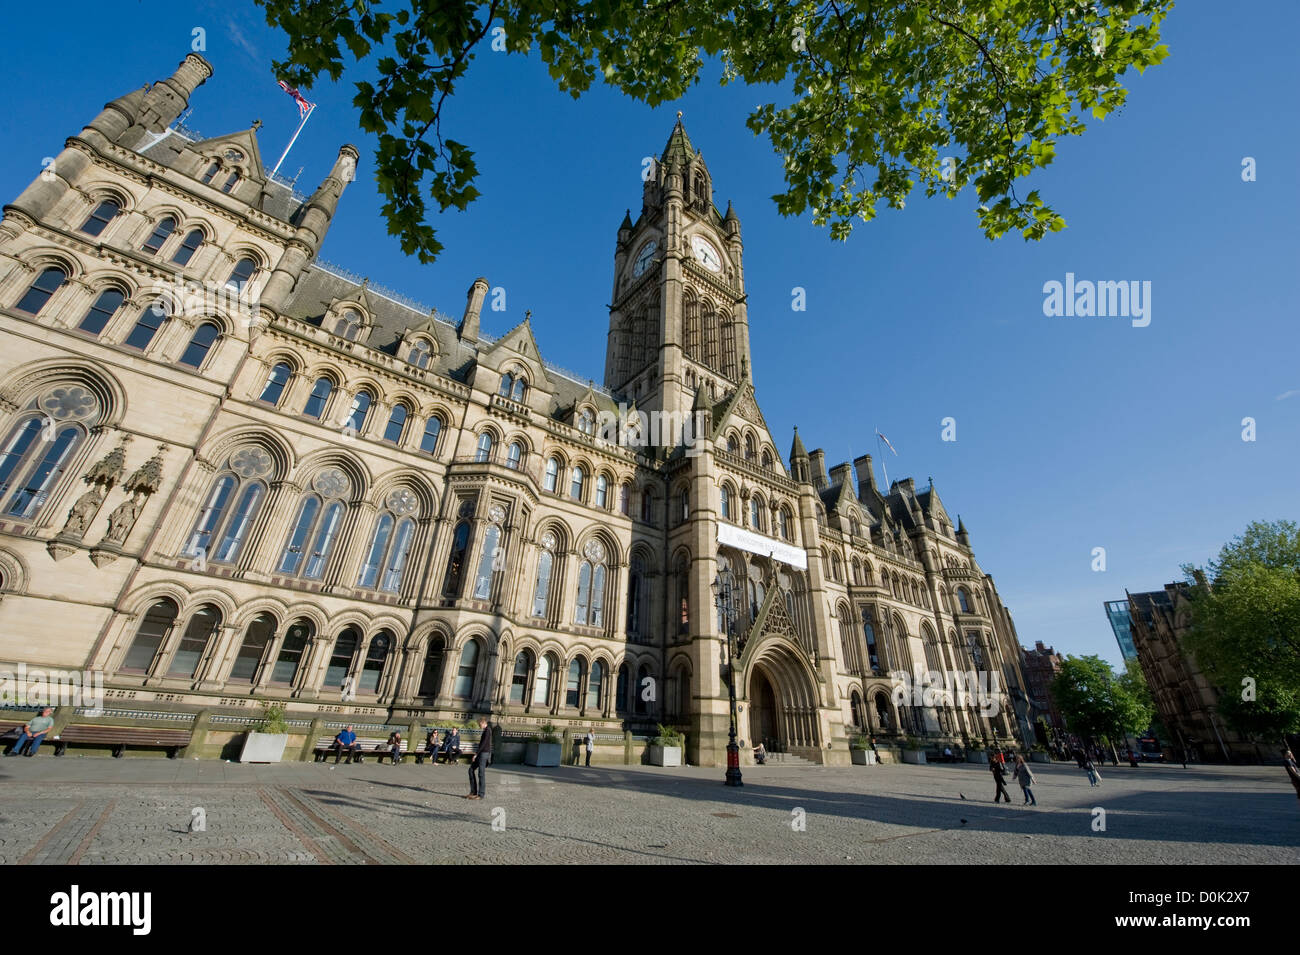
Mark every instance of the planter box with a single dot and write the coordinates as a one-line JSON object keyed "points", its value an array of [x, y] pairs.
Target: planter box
{"points": [[863, 757], [914, 756], [977, 756], [542, 754], [1040, 757], [263, 747], [665, 755]]}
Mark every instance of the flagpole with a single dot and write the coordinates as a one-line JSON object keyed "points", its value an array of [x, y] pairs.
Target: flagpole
{"points": [[305, 116]]}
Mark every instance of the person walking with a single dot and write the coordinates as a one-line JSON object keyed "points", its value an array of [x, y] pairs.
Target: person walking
{"points": [[1025, 778], [1292, 770], [999, 777], [588, 744], [482, 759], [1094, 777]]}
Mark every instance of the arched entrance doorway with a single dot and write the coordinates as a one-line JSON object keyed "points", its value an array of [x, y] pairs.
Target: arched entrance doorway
{"points": [[783, 703]]}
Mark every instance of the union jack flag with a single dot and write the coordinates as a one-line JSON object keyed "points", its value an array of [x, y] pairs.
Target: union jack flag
{"points": [[304, 107]]}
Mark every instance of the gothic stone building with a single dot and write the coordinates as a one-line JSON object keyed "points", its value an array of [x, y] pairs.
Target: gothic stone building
{"points": [[233, 474]]}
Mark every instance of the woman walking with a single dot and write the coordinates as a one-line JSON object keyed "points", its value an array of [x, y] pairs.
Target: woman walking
{"points": [[999, 777], [1094, 777], [1026, 779]]}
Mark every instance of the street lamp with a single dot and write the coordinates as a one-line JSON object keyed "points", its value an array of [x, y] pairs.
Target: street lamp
{"points": [[724, 596]]}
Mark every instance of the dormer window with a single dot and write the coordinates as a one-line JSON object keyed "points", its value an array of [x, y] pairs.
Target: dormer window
{"points": [[420, 354], [349, 325], [586, 422], [211, 173], [513, 386], [230, 182]]}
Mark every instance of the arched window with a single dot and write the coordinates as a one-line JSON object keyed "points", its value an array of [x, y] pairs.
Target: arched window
{"points": [[855, 709], [625, 500], [542, 687], [710, 322], [756, 513], [542, 588], [376, 656], [733, 445], [590, 606], [190, 245], [212, 171], [165, 227], [230, 182], [395, 563], [963, 600], [487, 563], [314, 532], [691, 325], [33, 461], [684, 504], [725, 495], [636, 603], [231, 507], [837, 568], [260, 632], [577, 478], [869, 635], [602, 491], [241, 273], [647, 505], [102, 311], [783, 523], [586, 423], [386, 557], [767, 460], [360, 408], [594, 685], [484, 452], [320, 395], [642, 675], [507, 380], [432, 429], [275, 382], [295, 642], [340, 665], [552, 474], [622, 688], [573, 686], [431, 672], [197, 350], [420, 354], [519, 389], [46, 284], [456, 561], [467, 670], [514, 455], [349, 325], [749, 447], [147, 325], [198, 633], [682, 584], [154, 629], [519, 679], [396, 424], [101, 217]]}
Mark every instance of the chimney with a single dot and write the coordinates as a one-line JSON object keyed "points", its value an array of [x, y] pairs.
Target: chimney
{"points": [[840, 474], [468, 330], [866, 475], [818, 461]]}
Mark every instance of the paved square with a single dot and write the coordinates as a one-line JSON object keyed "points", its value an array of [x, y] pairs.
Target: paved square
{"points": [[98, 810]]}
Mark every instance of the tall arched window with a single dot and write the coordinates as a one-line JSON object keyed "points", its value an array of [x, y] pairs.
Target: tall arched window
{"points": [[576, 480], [314, 531], [212, 171], [376, 656], [101, 217], [636, 602], [519, 389], [102, 311], [483, 453], [386, 557], [640, 702], [319, 397], [519, 678], [198, 634], [602, 491], [725, 496], [963, 600], [594, 686], [275, 382], [467, 670], [507, 380], [147, 325], [586, 422], [431, 672], [542, 587], [241, 273], [682, 585], [230, 182], [691, 322], [756, 513], [396, 424], [710, 322], [487, 563], [154, 629], [552, 474], [684, 504], [590, 607], [622, 687], [749, 447], [258, 636], [625, 500], [285, 671], [869, 635], [197, 350], [360, 408], [165, 227], [432, 430], [420, 354], [35, 458], [40, 292], [231, 506], [783, 523], [647, 505], [542, 686], [340, 665], [456, 561], [190, 245], [514, 456], [729, 367], [573, 685]]}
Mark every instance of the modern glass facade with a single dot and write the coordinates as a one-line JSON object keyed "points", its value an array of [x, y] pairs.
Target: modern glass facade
{"points": [[1117, 611]]}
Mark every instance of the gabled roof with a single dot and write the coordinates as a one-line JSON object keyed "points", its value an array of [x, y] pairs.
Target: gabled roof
{"points": [[678, 148], [245, 140]]}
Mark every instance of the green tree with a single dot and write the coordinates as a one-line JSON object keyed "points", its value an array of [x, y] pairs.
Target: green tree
{"points": [[1134, 683], [1097, 703], [878, 97]]}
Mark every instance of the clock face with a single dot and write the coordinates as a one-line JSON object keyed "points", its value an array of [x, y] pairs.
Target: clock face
{"points": [[706, 254], [644, 257]]}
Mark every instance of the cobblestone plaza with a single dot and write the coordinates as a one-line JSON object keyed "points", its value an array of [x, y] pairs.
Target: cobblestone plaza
{"points": [[97, 811]]}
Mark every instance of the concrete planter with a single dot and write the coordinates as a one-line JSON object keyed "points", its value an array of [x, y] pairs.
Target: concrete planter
{"points": [[914, 756], [863, 757], [665, 755], [263, 747], [977, 756], [1040, 757], [542, 754]]}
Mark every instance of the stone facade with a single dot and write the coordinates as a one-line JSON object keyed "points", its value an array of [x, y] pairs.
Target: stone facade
{"points": [[234, 474], [1040, 666]]}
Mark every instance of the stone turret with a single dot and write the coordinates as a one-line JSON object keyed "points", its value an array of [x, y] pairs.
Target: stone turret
{"points": [[817, 469], [468, 329]]}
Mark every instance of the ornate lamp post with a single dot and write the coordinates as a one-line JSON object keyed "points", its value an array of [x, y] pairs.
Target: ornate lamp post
{"points": [[724, 596]]}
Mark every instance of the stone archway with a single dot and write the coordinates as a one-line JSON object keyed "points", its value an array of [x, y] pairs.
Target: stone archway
{"points": [[783, 702]]}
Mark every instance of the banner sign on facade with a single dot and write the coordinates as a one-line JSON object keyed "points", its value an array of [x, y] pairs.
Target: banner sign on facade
{"points": [[733, 536]]}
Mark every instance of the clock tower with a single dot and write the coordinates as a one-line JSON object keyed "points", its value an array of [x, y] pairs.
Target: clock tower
{"points": [[677, 315]]}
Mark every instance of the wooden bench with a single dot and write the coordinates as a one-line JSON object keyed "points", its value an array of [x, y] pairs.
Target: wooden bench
{"points": [[368, 746], [120, 737]]}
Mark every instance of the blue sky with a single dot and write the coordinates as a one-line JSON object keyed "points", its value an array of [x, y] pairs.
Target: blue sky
{"points": [[1072, 433]]}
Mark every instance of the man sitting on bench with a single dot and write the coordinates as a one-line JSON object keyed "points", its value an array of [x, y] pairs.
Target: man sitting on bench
{"points": [[346, 740], [33, 733], [451, 746]]}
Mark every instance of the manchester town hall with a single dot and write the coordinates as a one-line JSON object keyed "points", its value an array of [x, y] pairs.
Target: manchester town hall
{"points": [[234, 475]]}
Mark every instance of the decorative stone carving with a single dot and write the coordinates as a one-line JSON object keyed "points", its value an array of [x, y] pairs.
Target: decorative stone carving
{"points": [[251, 462], [403, 501], [147, 478], [548, 541], [332, 482], [70, 403], [121, 520], [496, 513], [594, 551], [82, 513]]}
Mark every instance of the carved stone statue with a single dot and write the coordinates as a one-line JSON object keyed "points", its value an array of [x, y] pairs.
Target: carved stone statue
{"points": [[122, 520], [82, 513]]}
